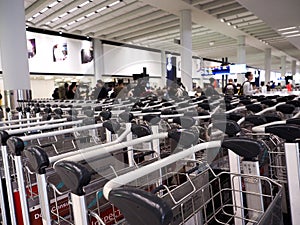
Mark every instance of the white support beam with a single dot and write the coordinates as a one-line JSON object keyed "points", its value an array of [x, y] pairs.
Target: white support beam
{"points": [[153, 34], [224, 9], [150, 30], [82, 14], [134, 22], [101, 24], [147, 25], [59, 12], [215, 4], [233, 12], [35, 8]]}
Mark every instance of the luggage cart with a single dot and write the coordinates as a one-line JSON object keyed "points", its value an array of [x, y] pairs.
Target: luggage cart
{"points": [[200, 198], [81, 200], [290, 132], [7, 164], [26, 188]]}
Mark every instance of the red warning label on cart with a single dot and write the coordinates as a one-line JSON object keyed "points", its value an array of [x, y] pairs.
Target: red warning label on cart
{"points": [[59, 207]]}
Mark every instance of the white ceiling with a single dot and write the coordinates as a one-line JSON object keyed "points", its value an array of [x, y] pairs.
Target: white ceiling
{"points": [[155, 23]]}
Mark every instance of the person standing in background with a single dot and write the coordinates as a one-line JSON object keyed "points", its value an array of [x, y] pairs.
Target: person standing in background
{"points": [[289, 86], [119, 88], [230, 88], [210, 89], [72, 90], [100, 90], [247, 86], [263, 87]]}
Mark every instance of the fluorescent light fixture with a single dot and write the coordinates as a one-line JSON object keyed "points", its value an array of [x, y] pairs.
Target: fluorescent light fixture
{"points": [[90, 14], [71, 23], [101, 9], [54, 19], [81, 18], [72, 10], [64, 26], [62, 15], [290, 32], [286, 28], [222, 20], [53, 4], [293, 35], [83, 4], [30, 19], [36, 15], [44, 10], [114, 3], [48, 23]]}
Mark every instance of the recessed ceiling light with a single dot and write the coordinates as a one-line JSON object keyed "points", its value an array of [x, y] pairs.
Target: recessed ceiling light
{"points": [[60, 32], [30, 19], [44, 10], [90, 14], [290, 32], [71, 23], [72, 10], [83, 4], [101, 9], [62, 15], [53, 4], [81, 18], [235, 26], [293, 35], [47, 23], [286, 28], [114, 3], [36, 15], [222, 20], [229, 24], [54, 19]]}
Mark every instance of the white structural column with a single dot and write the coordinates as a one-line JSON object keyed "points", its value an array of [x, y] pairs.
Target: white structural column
{"points": [[98, 59], [294, 67], [163, 69], [13, 45], [186, 48], [241, 56], [268, 61], [283, 65]]}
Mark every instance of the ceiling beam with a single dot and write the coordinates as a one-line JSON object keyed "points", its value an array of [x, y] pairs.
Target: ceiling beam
{"points": [[101, 24], [233, 12], [137, 28], [214, 4], [239, 18], [236, 22], [226, 8], [59, 12], [133, 22], [146, 31], [82, 14], [153, 34], [35, 8]]}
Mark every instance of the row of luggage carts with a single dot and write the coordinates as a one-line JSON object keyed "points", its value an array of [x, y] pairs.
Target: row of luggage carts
{"points": [[207, 160]]}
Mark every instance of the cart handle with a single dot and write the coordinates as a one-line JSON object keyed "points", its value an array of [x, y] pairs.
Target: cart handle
{"points": [[138, 173], [262, 128], [33, 124]]}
